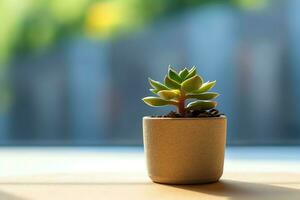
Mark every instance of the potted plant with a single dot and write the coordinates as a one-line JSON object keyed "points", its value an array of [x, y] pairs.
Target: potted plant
{"points": [[187, 146]]}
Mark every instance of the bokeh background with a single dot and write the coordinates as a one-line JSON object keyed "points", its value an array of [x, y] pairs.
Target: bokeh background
{"points": [[73, 72]]}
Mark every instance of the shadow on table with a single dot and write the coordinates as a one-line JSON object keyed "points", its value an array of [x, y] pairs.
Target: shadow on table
{"points": [[236, 190], [7, 196]]}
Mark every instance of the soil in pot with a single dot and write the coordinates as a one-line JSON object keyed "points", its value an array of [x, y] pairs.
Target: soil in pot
{"points": [[192, 114]]}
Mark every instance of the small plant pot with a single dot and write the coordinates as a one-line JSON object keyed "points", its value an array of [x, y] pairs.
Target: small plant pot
{"points": [[185, 150]]}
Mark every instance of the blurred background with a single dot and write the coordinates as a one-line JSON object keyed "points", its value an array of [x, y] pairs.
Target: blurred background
{"points": [[73, 72]]}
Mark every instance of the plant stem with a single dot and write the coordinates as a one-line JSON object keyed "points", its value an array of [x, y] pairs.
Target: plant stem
{"points": [[181, 106]]}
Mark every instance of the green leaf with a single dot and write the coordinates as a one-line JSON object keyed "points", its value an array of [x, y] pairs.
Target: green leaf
{"points": [[157, 85], [154, 91], [206, 87], [192, 72], [174, 76], [192, 84], [203, 96], [156, 101], [192, 69], [171, 83], [169, 94], [183, 73], [201, 105]]}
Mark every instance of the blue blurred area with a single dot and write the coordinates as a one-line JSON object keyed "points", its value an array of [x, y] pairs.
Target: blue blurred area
{"points": [[87, 91]]}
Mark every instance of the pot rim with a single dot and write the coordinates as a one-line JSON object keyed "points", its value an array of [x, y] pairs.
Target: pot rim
{"points": [[185, 118]]}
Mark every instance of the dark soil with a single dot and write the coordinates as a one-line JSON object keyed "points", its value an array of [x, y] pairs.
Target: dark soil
{"points": [[193, 114]]}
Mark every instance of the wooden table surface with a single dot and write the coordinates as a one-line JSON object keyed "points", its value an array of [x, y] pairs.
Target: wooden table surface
{"points": [[119, 173]]}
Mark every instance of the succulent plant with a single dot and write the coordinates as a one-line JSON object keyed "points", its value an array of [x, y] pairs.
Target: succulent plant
{"points": [[180, 87]]}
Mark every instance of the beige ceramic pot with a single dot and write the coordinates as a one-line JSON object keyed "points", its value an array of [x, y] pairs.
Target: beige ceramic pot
{"points": [[185, 150]]}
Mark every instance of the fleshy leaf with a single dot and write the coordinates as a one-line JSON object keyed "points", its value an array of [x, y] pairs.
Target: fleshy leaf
{"points": [[192, 72], [183, 73], [206, 87], [201, 105], [171, 83], [154, 91], [203, 96], [174, 76], [192, 84], [156, 101], [169, 94], [157, 85], [183, 85]]}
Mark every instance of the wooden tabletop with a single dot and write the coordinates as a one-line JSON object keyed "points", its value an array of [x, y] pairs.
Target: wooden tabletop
{"points": [[97, 173]]}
